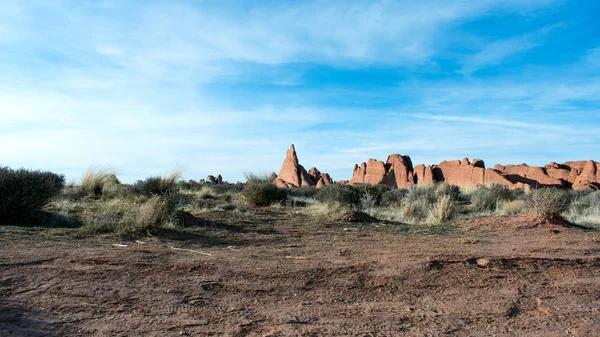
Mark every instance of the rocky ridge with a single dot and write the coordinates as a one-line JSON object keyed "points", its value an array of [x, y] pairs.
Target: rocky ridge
{"points": [[398, 172]]}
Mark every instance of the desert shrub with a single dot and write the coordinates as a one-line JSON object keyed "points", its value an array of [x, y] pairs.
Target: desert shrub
{"points": [[346, 195], [548, 202], [486, 197], [161, 186], [24, 192], [304, 192], [443, 210], [227, 188], [370, 195], [584, 208], [259, 177], [190, 185], [262, 193], [449, 190], [393, 197], [511, 208], [425, 193], [97, 181]]}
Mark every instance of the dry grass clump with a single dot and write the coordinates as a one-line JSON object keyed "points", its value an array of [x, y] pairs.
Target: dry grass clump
{"points": [[98, 181], [126, 215], [443, 210], [511, 208], [158, 185], [329, 211]]}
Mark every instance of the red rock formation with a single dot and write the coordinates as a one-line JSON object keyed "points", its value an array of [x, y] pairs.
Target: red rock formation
{"points": [[460, 173], [292, 174], [589, 177], [423, 174], [397, 172], [314, 174], [401, 169]]}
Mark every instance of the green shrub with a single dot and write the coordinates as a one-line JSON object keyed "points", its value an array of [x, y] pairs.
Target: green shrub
{"points": [[24, 192], [261, 193], [486, 197], [346, 195], [548, 202], [393, 197]]}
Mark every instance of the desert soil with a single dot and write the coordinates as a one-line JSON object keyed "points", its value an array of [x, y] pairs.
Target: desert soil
{"points": [[271, 273]]}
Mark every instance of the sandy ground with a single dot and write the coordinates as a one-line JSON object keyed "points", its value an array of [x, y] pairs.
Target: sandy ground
{"points": [[287, 275]]}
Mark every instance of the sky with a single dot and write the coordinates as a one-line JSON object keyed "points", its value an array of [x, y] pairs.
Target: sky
{"points": [[224, 87]]}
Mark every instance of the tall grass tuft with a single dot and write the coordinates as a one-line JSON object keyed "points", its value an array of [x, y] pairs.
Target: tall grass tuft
{"points": [[443, 210], [96, 181], [158, 186]]}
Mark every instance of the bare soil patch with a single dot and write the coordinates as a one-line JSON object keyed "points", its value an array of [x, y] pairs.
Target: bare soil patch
{"points": [[270, 273]]}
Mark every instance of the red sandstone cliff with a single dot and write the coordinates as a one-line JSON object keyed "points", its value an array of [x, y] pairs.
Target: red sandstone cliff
{"points": [[398, 172]]}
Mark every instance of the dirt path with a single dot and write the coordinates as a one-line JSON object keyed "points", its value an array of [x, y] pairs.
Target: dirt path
{"points": [[283, 275]]}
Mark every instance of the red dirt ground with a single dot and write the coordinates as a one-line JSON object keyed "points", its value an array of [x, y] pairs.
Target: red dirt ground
{"points": [[286, 275]]}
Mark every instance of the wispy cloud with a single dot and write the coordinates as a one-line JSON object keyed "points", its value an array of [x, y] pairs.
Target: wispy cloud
{"points": [[495, 52]]}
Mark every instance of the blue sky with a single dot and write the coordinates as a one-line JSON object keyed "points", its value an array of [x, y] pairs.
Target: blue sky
{"points": [[226, 86]]}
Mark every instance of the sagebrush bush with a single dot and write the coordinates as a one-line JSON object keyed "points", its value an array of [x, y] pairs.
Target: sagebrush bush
{"points": [[24, 192], [262, 193], [227, 188], [486, 197], [303, 192], [511, 208], [393, 197], [548, 202], [584, 208], [346, 195], [449, 190], [421, 193], [259, 177], [158, 186]]}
